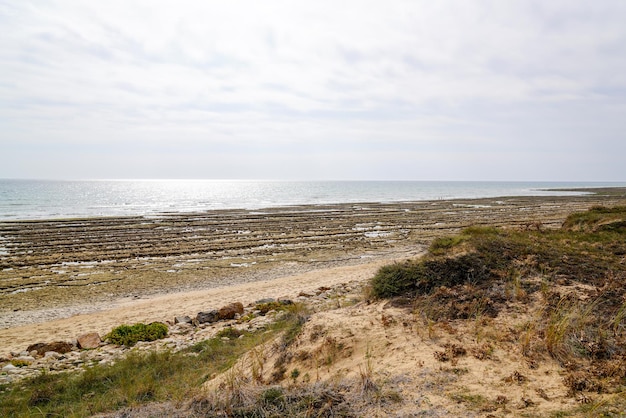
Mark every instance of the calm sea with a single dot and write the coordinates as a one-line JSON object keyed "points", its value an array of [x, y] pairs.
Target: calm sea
{"points": [[35, 199]]}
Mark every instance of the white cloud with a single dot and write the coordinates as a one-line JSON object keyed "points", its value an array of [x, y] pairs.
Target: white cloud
{"points": [[348, 80]]}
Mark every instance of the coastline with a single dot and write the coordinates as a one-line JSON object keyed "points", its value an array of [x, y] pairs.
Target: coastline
{"points": [[92, 273]]}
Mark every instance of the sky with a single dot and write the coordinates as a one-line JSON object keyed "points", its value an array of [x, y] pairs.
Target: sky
{"points": [[315, 90]]}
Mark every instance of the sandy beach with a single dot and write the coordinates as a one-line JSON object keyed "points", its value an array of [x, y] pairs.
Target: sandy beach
{"points": [[63, 278]]}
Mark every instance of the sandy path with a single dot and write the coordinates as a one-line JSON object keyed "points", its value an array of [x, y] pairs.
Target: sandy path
{"points": [[165, 307]]}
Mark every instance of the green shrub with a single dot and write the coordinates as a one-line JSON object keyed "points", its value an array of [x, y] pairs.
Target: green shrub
{"points": [[395, 279], [270, 306], [595, 218], [443, 244], [129, 335], [420, 277]]}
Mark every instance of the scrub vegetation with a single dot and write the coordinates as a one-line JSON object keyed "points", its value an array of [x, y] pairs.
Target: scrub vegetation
{"points": [[571, 281]]}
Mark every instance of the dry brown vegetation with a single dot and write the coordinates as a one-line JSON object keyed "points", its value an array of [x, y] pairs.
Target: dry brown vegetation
{"points": [[492, 322]]}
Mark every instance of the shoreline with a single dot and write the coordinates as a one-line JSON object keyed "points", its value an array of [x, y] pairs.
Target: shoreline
{"points": [[31, 210], [83, 271]]}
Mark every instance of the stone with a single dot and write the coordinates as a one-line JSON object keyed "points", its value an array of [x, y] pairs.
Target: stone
{"points": [[52, 355], [265, 300], [88, 341], [8, 367], [182, 320], [61, 347], [207, 317], [230, 311], [284, 301], [25, 359]]}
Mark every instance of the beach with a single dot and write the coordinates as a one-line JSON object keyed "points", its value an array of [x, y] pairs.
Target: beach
{"points": [[61, 278]]}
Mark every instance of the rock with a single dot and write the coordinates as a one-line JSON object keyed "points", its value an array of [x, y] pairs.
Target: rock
{"points": [[58, 346], [25, 359], [207, 317], [88, 341], [8, 367], [182, 320], [284, 301], [229, 311], [52, 355], [265, 300]]}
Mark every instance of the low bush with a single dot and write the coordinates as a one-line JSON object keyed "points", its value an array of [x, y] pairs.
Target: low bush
{"points": [[129, 335], [420, 277]]}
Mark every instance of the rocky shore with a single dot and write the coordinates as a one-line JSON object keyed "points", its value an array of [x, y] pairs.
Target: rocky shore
{"points": [[56, 268], [54, 273]]}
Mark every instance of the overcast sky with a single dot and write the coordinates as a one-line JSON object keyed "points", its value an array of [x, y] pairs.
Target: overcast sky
{"points": [[406, 90]]}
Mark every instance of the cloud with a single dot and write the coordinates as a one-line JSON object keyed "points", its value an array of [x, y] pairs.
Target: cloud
{"points": [[311, 82]]}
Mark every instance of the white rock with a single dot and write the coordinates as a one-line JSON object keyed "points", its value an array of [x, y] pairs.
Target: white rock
{"points": [[52, 355], [8, 367]]}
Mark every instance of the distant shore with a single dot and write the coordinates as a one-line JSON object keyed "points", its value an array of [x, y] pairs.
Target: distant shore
{"points": [[56, 269]]}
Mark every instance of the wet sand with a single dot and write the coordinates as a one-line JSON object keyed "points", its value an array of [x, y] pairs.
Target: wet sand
{"points": [[61, 277]]}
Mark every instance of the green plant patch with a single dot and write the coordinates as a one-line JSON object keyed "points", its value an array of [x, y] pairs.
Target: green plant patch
{"points": [[270, 306], [130, 335]]}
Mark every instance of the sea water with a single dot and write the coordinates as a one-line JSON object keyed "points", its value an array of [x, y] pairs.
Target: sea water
{"points": [[42, 199]]}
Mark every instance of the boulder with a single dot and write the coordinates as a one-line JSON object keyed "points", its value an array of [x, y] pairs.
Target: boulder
{"points": [[60, 347], [182, 320], [207, 317], [87, 341], [230, 311]]}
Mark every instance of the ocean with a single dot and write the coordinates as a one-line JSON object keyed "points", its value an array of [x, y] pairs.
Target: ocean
{"points": [[42, 199]]}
